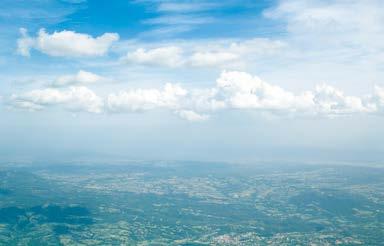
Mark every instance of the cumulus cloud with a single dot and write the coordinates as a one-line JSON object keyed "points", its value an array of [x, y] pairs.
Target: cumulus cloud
{"points": [[244, 91], [145, 99], [329, 100], [230, 53], [191, 115], [211, 54], [375, 102], [206, 99], [75, 99], [80, 78], [172, 97], [239, 90], [233, 91], [200, 59], [170, 56], [65, 43]]}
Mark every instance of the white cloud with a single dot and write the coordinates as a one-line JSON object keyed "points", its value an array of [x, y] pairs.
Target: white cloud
{"points": [[179, 19], [146, 99], [257, 46], [375, 102], [66, 43], [317, 14], [191, 115], [379, 95], [331, 101], [223, 53], [200, 59], [185, 7], [241, 90], [74, 99], [24, 43], [233, 91], [170, 56], [355, 24], [80, 78], [206, 100], [228, 54]]}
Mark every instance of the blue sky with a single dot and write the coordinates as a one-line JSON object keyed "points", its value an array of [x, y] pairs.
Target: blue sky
{"points": [[203, 80]]}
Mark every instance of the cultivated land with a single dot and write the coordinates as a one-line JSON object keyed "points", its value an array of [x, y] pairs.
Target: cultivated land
{"points": [[191, 203]]}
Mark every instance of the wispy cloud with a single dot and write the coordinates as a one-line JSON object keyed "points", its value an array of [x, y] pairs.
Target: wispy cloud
{"points": [[354, 24], [180, 16], [179, 20], [173, 6]]}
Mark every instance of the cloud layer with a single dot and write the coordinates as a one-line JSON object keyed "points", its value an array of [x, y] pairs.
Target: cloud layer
{"points": [[209, 54], [233, 90], [74, 99]]}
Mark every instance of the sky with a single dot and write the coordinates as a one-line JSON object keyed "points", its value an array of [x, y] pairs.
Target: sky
{"points": [[267, 80]]}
